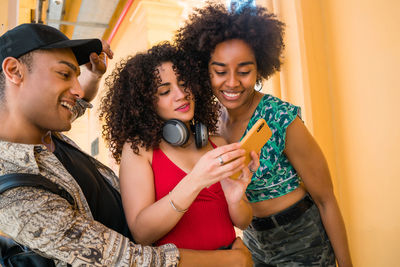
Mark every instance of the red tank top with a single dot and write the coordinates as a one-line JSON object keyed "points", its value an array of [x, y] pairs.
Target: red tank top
{"points": [[207, 224]]}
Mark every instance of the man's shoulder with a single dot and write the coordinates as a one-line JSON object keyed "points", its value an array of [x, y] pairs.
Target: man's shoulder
{"points": [[17, 157]]}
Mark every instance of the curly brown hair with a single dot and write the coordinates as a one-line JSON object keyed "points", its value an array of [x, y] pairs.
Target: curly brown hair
{"points": [[128, 107], [213, 24]]}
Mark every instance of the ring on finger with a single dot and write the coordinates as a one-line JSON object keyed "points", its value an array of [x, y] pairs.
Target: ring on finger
{"points": [[221, 161], [252, 171]]}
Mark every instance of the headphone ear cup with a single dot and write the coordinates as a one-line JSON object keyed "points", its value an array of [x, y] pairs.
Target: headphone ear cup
{"points": [[200, 135], [175, 132]]}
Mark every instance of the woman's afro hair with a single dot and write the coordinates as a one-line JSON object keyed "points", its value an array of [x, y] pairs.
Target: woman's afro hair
{"points": [[213, 24]]}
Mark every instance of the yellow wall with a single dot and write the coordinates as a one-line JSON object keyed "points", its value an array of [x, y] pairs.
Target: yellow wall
{"points": [[25, 10], [363, 43], [341, 65], [3, 16], [71, 14]]}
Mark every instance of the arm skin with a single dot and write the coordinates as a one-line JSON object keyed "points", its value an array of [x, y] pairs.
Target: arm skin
{"points": [[240, 210], [308, 160], [149, 220], [93, 71], [47, 223], [239, 255]]}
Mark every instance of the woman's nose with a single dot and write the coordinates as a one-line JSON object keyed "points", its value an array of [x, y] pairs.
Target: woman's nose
{"points": [[232, 80]]}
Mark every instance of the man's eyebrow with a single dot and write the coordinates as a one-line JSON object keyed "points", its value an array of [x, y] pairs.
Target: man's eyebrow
{"points": [[72, 66]]}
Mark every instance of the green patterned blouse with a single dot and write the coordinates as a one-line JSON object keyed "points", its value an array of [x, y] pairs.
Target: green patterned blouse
{"points": [[276, 176]]}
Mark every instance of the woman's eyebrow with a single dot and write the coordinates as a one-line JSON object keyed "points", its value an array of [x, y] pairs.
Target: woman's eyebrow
{"points": [[164, 84], [240, 64]]}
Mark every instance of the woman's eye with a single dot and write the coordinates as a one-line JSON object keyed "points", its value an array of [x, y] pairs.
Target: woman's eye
{"points": [[243, 73], [164, 92], [220, 72]]}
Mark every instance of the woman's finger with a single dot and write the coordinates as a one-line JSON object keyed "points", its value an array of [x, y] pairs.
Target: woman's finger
{"points": [[222, 150], [230, 155]]}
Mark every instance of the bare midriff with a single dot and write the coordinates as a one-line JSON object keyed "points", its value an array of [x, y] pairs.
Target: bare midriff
{"points": [[271, 206]]}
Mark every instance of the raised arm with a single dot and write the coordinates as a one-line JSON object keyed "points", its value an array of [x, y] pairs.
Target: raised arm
{"points": [[93, 71], [149, 220]]}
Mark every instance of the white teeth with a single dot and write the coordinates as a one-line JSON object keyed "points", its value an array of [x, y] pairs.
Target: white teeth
{"points": [[67, 105], [230, 94]]}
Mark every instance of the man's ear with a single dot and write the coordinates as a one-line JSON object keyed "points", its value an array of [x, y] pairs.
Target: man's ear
{"points": [[13, 70]]}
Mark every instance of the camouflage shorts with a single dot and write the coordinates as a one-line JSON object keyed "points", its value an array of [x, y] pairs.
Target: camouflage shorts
{"points": [[303, 242]]}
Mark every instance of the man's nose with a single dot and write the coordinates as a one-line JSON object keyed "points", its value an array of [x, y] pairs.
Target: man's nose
{"points": [[77, 90]]}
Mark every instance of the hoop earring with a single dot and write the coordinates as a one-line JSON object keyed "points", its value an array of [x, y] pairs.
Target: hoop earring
{"points": [[259, 84]]}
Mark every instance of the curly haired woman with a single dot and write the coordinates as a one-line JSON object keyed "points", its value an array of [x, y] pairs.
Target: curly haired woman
{"points": [[297, 217], [172, 193]]}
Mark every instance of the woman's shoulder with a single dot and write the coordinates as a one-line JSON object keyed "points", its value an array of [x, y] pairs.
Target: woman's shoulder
{"points": [[128, 151], [217, 140], [272, 108], [272, 101]]}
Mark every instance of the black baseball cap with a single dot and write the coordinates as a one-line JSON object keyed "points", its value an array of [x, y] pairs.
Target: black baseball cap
{"points": [[32, 36]]}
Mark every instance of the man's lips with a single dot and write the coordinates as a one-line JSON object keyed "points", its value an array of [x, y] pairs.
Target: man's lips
{"points": [[68, 104]]}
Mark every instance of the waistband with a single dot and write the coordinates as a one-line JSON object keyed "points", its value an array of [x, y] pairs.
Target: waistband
{"points": [[284, 217]]}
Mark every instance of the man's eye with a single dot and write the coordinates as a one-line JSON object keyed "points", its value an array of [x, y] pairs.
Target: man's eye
{"points": [[65, 75], [220, 72]]}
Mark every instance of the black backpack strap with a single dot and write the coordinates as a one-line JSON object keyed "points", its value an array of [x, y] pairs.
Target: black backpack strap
{"points": [[12, 180]]}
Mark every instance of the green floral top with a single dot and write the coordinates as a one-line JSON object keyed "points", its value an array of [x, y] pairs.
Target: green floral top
{"points": [[276, 176]]}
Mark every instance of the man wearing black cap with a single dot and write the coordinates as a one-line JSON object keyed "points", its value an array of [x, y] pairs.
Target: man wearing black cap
{"points": [[39, 89]]}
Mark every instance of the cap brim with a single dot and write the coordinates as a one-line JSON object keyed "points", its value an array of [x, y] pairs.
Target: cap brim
{"points": [[82, 48]]}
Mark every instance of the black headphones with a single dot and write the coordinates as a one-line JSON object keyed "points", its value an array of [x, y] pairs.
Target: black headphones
{"points": [[176, 133]]}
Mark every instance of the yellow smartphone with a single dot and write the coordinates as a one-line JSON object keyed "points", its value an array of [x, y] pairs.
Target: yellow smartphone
{"points": [[254, 140]]}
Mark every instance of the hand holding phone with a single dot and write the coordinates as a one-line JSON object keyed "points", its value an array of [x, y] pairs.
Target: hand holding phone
{"points": [[254, 140]]}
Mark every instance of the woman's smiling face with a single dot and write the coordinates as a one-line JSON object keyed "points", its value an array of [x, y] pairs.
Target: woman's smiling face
{"points": [[174, 100], [233, 73]]}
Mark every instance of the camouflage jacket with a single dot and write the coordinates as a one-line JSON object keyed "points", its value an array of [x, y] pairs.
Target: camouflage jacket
{"points": [[50, 226]]}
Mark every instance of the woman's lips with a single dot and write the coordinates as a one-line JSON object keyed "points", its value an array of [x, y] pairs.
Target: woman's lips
{"points": [[183, 108], [231, 95]]}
